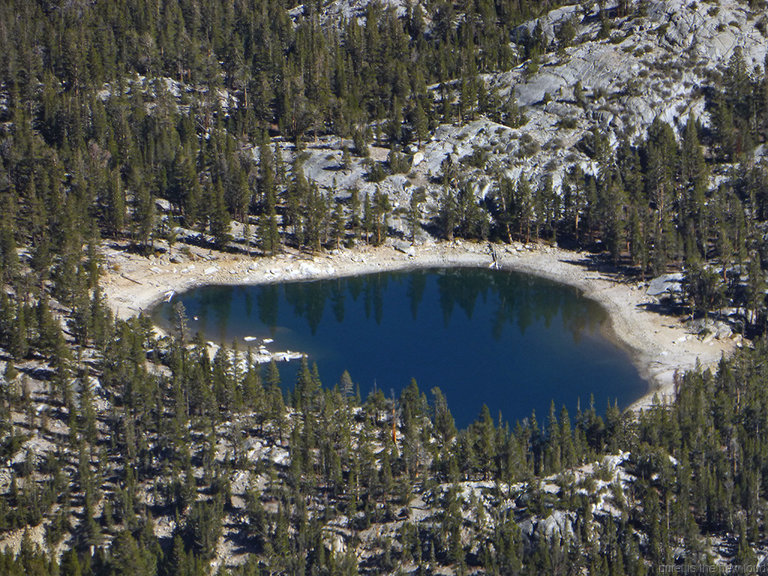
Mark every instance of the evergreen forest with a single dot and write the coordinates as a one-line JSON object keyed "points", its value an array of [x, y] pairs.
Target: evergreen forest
{"points": [[150, 125]]}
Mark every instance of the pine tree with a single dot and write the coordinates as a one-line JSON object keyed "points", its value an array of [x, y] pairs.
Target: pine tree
{"points": [[662, 154], [448, 216], [368, 219], [756, 286], [695, 177], [115, 205], [524, 208], [269, 233], [143, 215], [414, 215], [443, 419], [218, 216], [381, 210]]}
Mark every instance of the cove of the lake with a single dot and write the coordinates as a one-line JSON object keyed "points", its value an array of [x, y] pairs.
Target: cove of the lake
{"points": [[512, 341]]}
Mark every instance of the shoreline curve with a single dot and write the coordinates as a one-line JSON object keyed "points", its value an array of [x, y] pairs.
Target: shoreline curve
{"points": [[660, 346]]}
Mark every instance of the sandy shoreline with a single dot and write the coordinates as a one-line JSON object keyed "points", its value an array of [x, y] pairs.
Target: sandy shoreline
{"points": [[660, 345]]}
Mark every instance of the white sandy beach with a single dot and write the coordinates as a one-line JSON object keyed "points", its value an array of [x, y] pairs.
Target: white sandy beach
{"points": [[660, 345]]}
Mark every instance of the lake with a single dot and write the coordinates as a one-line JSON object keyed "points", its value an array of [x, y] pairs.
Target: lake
{"points": [[512, 341]]}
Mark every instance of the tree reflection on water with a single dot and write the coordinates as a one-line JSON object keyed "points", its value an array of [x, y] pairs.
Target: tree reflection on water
{"points": [[483, 336], [520, 300]]}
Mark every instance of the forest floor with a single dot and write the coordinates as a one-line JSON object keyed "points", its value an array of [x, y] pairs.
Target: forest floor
{"points": [[660, 343]]}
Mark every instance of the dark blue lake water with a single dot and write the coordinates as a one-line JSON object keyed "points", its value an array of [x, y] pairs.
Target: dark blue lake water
{"points": [[508, 340]]}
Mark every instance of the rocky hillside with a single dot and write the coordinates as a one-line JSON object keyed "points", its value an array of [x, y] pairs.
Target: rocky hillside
{"points": [[622, 67]]}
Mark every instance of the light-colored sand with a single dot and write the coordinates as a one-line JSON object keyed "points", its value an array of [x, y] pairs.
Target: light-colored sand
{"points": [[660, 344]]}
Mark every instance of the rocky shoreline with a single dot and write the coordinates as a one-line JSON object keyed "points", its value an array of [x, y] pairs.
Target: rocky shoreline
{"points": [[660, 345]]}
